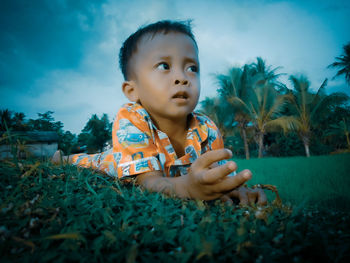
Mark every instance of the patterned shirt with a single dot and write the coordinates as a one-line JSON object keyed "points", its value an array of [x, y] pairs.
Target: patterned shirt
{"points": [[139, 146]]}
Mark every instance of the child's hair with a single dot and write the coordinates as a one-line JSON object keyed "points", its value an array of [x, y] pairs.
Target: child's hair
{"points": [[130, 45]]}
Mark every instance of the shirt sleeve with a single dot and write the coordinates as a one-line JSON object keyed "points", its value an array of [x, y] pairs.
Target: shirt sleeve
{"points": [[214, 138], [105, 162], [133, 140], [86, 160], [134, 151]]}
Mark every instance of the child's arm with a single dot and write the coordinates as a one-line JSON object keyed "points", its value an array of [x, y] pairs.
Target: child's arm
{"points": [[81, 159], [201, 182]]}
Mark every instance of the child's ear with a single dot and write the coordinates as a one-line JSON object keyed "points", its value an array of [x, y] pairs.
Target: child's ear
{"points": [[130, 90]]}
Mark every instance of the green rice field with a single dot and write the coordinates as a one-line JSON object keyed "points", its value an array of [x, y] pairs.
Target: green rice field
{"points": [[63, 213], [318, 180]]}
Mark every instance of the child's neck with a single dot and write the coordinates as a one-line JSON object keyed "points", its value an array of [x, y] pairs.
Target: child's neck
{"points": [[176, 131]]}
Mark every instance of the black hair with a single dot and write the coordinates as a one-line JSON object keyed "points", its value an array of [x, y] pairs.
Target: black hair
{"points": [[164, 26]]}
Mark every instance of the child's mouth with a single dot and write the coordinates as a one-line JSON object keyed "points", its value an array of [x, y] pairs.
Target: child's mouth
{"points": [[181, 95]]}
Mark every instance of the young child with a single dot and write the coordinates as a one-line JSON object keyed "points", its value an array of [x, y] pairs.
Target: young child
{"points": [[158, 139]]}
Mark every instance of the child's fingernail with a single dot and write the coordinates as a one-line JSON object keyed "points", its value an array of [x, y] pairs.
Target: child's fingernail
{"points": [[231, 166], [246, 175]]}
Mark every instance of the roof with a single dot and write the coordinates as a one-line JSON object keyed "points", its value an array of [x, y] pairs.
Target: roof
{"points": [[35, 136]]}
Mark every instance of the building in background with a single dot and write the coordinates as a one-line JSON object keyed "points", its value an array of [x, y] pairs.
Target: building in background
{"points": [[28, 144]]}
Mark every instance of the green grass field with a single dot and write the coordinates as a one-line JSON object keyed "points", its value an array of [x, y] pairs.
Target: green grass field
{"points": [[318, 180], [65, 214]]}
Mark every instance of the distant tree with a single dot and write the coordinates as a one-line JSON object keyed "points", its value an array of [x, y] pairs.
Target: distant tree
{"points": [[96, 133], [19, 122], [278, 144], [341, 130], [311, 109], [14, 121], [343, 63], [45, 122], [6, 119], [83, 140], [67, 142]]}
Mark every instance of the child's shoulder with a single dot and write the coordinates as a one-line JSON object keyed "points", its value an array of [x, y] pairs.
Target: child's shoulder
{"points": [[132, 107], [203, 119], [131, 110]]}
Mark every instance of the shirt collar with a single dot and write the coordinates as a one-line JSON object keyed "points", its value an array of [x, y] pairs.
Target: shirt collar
{"points": [[197, 123]]}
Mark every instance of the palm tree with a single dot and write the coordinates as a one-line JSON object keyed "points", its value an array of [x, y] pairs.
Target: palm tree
{"points": [[267, 105], [343, 62], [19, 121], [256, 102], [6, 119], [345, 128], [340, 130], [309, 108], [235, 88], [263, 74]]}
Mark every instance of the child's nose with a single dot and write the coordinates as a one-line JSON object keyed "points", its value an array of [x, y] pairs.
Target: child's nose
{"points": [[183, 82]]}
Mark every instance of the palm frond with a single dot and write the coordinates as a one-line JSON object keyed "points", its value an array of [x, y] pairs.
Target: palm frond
{"points": [[326, 104], [343, 63], [286, 123]]}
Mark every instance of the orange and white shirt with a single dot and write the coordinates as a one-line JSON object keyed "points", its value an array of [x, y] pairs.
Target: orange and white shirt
{"points": [[140, 147]]}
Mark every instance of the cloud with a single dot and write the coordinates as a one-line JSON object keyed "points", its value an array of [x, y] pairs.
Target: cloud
{"points": [[41, 35], [73, 97], [63, 55]]}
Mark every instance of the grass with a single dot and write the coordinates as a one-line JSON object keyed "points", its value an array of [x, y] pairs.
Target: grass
{"points": [[63, 213], [318, 180]]}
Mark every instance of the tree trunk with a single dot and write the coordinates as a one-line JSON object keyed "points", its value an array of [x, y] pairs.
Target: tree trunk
{"points": [[246, 147], [306, 145], [261, 144], [307, 150]]}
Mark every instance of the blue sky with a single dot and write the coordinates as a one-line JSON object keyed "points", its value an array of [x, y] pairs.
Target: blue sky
{"points": [[61, 55]]}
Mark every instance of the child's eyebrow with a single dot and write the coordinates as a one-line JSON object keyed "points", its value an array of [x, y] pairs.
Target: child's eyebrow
{"points": [[164, 57], [186, 59], [191, 59]]}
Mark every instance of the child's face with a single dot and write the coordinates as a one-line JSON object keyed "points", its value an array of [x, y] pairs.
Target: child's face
{"points": [[165, 72]]}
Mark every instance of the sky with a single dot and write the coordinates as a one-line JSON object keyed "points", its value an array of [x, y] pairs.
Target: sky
{"points": [[62, 55]]}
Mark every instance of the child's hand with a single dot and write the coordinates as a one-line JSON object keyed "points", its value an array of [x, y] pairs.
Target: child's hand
{"points": [[246, 196], [58, 157], [206, 181]]}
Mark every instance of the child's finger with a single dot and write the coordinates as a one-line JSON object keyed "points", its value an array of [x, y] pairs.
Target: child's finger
{"points": [[243, 199], [252, 196], [241, 195], [215, 174], [231, 182], [206, 159], [259, 195], [226, 199]]}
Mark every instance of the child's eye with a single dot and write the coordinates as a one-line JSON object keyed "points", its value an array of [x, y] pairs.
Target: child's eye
{"points": [[163, 66], [193, 68]]}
